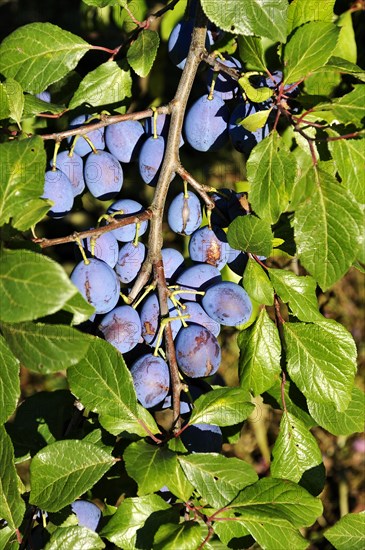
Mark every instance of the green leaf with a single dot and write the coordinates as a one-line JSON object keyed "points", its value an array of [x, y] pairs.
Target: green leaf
{"points": [[310, 47], [106, 84], [64, 470], [23, 166], [9, 381], [252, 52], [295, 450], [8, 539], [102, 3], [46, 348], [274, 534], [348, 109], [348, 532], [257, 284], [75, 537], [346, 46], [12, 507], [184, 536], [257, 95], [327, 229], [279, 499], [271, 171], [217, 479], [4, 104], [340, 423], [104, 384], [303, 11], [250, 234], [256, 120], [321, 360], [31, 286], [143, 51], [228, 530], [349, 157], [136, 520], [15, 97], [222, 407], [300, 292], [343, 66], [260, 350], [260, 17], [153, 466], [38, 54], [80, 308], [295, 401], [33, 106]]}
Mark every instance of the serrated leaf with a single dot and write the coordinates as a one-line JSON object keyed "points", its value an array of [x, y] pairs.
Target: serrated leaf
{"points": [[222, 407], [259, 17], [257, 95], [256, 120], [75, 537], [279, 499], [327, 229], [217, 479], [321, 360], [260, 350], [348, 109], [184, 536], [9, 381], [349, 157], [348, 532], [300, 292], [33, 106], [152, 467], [303, 11], [271, 171], [104, 384], [108, 83], [257, 284], [295, 450], [250, 234], [143, 51], [252, 52], [228, 530], [23, 166], [15, 97], [343, 66], [340, 423], [46, 348], [31, 286], [63, 471], [38, 54], [275, 534], [137, 519], [309, 48], [12, 506], [295, 401]]}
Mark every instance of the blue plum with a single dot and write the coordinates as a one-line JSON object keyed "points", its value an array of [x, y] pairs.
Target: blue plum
{"points": [[88, 514], [128, 207], [103, 175], [124, 139], [150, 318], [58, 188], [197, 277], [162, 127], [199, 317], [122, 328], [202, 438], [104, 247], [73, 167], [206, 124], [172, 262], [82, 147], [151, 379], [44, 96], [209, 246], [130, 259], [179, 42], [98, 284], [198, 353], [150, 159], [243, 140], [228, 304], [184, 214]]}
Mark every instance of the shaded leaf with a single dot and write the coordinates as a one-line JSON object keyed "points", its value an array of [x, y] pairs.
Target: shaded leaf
{"points": [[9, 381], [300, 292], [252, 52], [12, 506], [15, 97], [185, 536], [303, 11], [349, 157]]}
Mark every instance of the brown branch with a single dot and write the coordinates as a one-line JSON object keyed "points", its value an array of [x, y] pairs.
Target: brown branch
{"points": [[218, 65], [114, 224], [202, 190], [105, 120]]}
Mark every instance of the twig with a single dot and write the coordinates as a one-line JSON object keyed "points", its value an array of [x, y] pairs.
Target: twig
{"points": [[202, 190]]}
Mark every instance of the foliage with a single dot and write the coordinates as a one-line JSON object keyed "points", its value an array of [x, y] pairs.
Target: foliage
{"points": [[297, 227]]}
